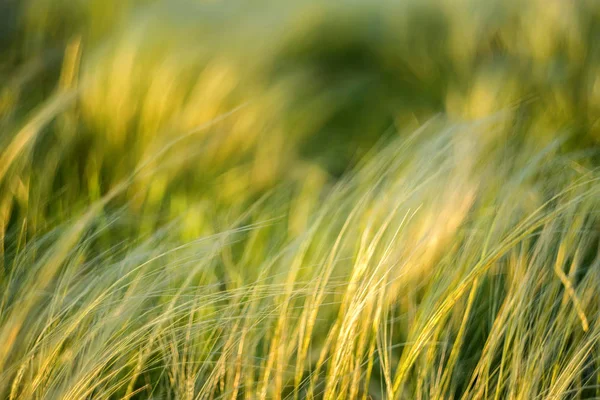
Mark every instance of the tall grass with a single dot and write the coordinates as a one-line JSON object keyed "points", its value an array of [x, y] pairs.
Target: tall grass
{"points": [[206, 200]]}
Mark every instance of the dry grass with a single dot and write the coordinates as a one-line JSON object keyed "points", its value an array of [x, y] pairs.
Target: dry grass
{"points": [[299, 201]]}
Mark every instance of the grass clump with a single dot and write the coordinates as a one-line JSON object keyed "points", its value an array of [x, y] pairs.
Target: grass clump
{"points": [[299, 201]]}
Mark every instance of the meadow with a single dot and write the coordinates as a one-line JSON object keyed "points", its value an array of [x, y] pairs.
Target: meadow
{"points": [[299, 199]]}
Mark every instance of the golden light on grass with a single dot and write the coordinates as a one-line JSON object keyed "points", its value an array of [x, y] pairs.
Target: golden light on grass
{"points": [[218, 200]]}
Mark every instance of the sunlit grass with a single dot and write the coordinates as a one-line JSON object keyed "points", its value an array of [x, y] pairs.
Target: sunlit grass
{"points": [[206, 200]]}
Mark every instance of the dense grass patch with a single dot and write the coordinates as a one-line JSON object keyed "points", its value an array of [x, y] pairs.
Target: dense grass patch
{"points": [[208, 200]]}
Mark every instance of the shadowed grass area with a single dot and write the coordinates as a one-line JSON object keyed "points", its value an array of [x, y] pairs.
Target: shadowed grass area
{"points": [[206, 200]]}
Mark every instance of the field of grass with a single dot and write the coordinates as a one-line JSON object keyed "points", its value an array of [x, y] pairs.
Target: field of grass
{"points": [[299, 199]]}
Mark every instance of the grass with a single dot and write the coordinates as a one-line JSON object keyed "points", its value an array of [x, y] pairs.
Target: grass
{"points": [[221, 200]]}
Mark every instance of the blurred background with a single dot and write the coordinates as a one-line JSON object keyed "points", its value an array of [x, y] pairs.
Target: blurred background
{"points": [[245, 96]]}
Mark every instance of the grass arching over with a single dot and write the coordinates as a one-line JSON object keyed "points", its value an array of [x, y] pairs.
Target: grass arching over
{"points": [[172, 227]]}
